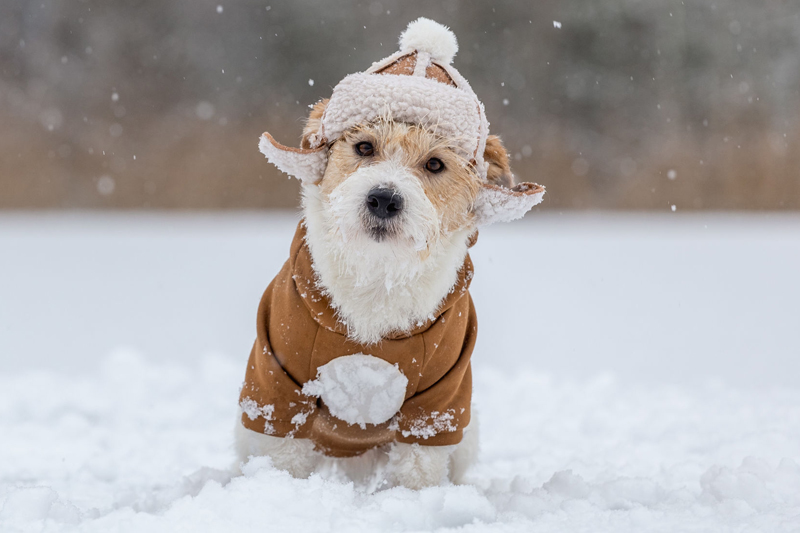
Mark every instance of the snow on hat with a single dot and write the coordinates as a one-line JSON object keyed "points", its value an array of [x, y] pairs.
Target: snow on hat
{"points": [[417, 84]]}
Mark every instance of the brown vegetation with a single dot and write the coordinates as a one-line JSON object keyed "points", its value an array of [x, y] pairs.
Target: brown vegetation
{"points": [[629, 105]]}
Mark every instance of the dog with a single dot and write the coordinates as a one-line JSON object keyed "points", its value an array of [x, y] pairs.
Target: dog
{"points": [[361, 368]]}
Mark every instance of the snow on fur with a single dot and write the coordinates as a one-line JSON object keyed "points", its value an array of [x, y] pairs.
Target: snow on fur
{"points": [[359, 389], [426, 35]]}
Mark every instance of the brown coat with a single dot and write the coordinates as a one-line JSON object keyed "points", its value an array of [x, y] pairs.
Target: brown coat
{"points": [[298, 332]]}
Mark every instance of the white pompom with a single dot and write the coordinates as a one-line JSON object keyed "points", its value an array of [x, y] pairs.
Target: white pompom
{"points": [[426, 35], [359, 389]]}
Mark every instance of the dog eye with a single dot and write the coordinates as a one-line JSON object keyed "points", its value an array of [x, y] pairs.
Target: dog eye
{"points": [[364, 149], [434, 165]]}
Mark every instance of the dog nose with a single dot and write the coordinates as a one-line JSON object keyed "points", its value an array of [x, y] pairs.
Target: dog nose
{"points": [[384, 203]]}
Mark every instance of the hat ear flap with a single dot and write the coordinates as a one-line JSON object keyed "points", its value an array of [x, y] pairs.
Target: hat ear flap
{"points": [[307, 163], [496, 203], [499, 200]]}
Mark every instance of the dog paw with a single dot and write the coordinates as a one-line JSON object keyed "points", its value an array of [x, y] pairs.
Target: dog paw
{"points": [[415, 466]]}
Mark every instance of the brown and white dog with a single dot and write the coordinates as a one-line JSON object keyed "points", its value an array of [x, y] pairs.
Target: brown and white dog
{"points": [[391, 204]]}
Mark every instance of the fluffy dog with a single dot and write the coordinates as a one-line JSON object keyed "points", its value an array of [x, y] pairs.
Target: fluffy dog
{"points": [[361, 367]]}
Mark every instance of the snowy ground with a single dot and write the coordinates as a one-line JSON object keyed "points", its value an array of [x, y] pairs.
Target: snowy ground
{"points": [[634, 373]]}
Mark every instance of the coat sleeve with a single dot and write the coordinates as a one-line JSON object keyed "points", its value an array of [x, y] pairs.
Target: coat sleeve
{"points": [[438, 415], [272, 401]]}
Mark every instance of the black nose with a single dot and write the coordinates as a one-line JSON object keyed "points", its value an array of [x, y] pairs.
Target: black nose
{"points": [[384, 203]]}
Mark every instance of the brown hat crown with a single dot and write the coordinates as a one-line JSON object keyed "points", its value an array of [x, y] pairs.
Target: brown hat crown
{"points": [[407, 65]]}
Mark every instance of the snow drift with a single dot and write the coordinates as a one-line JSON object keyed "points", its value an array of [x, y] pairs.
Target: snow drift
{"points": [[138, 446]]}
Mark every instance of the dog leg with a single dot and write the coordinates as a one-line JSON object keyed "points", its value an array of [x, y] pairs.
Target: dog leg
{"points": [[466, 453], [416, 467], [296, 456]]}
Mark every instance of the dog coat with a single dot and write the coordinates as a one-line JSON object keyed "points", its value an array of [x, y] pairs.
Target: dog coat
{"points": [[298, 333]]}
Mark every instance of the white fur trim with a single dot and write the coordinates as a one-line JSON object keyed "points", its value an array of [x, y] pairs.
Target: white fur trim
{"points": [[359, 389], [426, 35], [449, 111], [501, 204], [306, 165], [422, 64]]}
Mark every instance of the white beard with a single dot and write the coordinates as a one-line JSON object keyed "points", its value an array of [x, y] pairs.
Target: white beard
{"points": [[382, 287]]}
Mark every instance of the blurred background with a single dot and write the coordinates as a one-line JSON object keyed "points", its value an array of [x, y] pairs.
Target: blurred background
{"points": [[630, 104]]}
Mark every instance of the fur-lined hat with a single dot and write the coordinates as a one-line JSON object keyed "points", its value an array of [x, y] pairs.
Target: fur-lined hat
{"points": [[418, 85]]}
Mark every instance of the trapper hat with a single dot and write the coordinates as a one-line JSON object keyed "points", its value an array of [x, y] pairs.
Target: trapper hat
{"points": [[418, 85]]}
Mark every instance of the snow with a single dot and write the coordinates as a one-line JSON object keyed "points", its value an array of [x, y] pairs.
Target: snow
{"points": [[105, 185], [251, 408], [204, 110], [359, 389], [648, 381], [433, 424], [144, 446]]}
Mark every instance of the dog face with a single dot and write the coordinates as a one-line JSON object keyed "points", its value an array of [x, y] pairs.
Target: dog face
{"points": [[389, 223], [398, 184], [401, 184]]}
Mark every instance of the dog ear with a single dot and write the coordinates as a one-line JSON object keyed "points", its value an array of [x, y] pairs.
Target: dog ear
{"points": [[499, 200], [498, 171], [307, 163], [313, 126]]}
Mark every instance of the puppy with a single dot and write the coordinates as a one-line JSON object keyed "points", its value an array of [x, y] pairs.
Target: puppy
{"points": [[361, 367]]}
